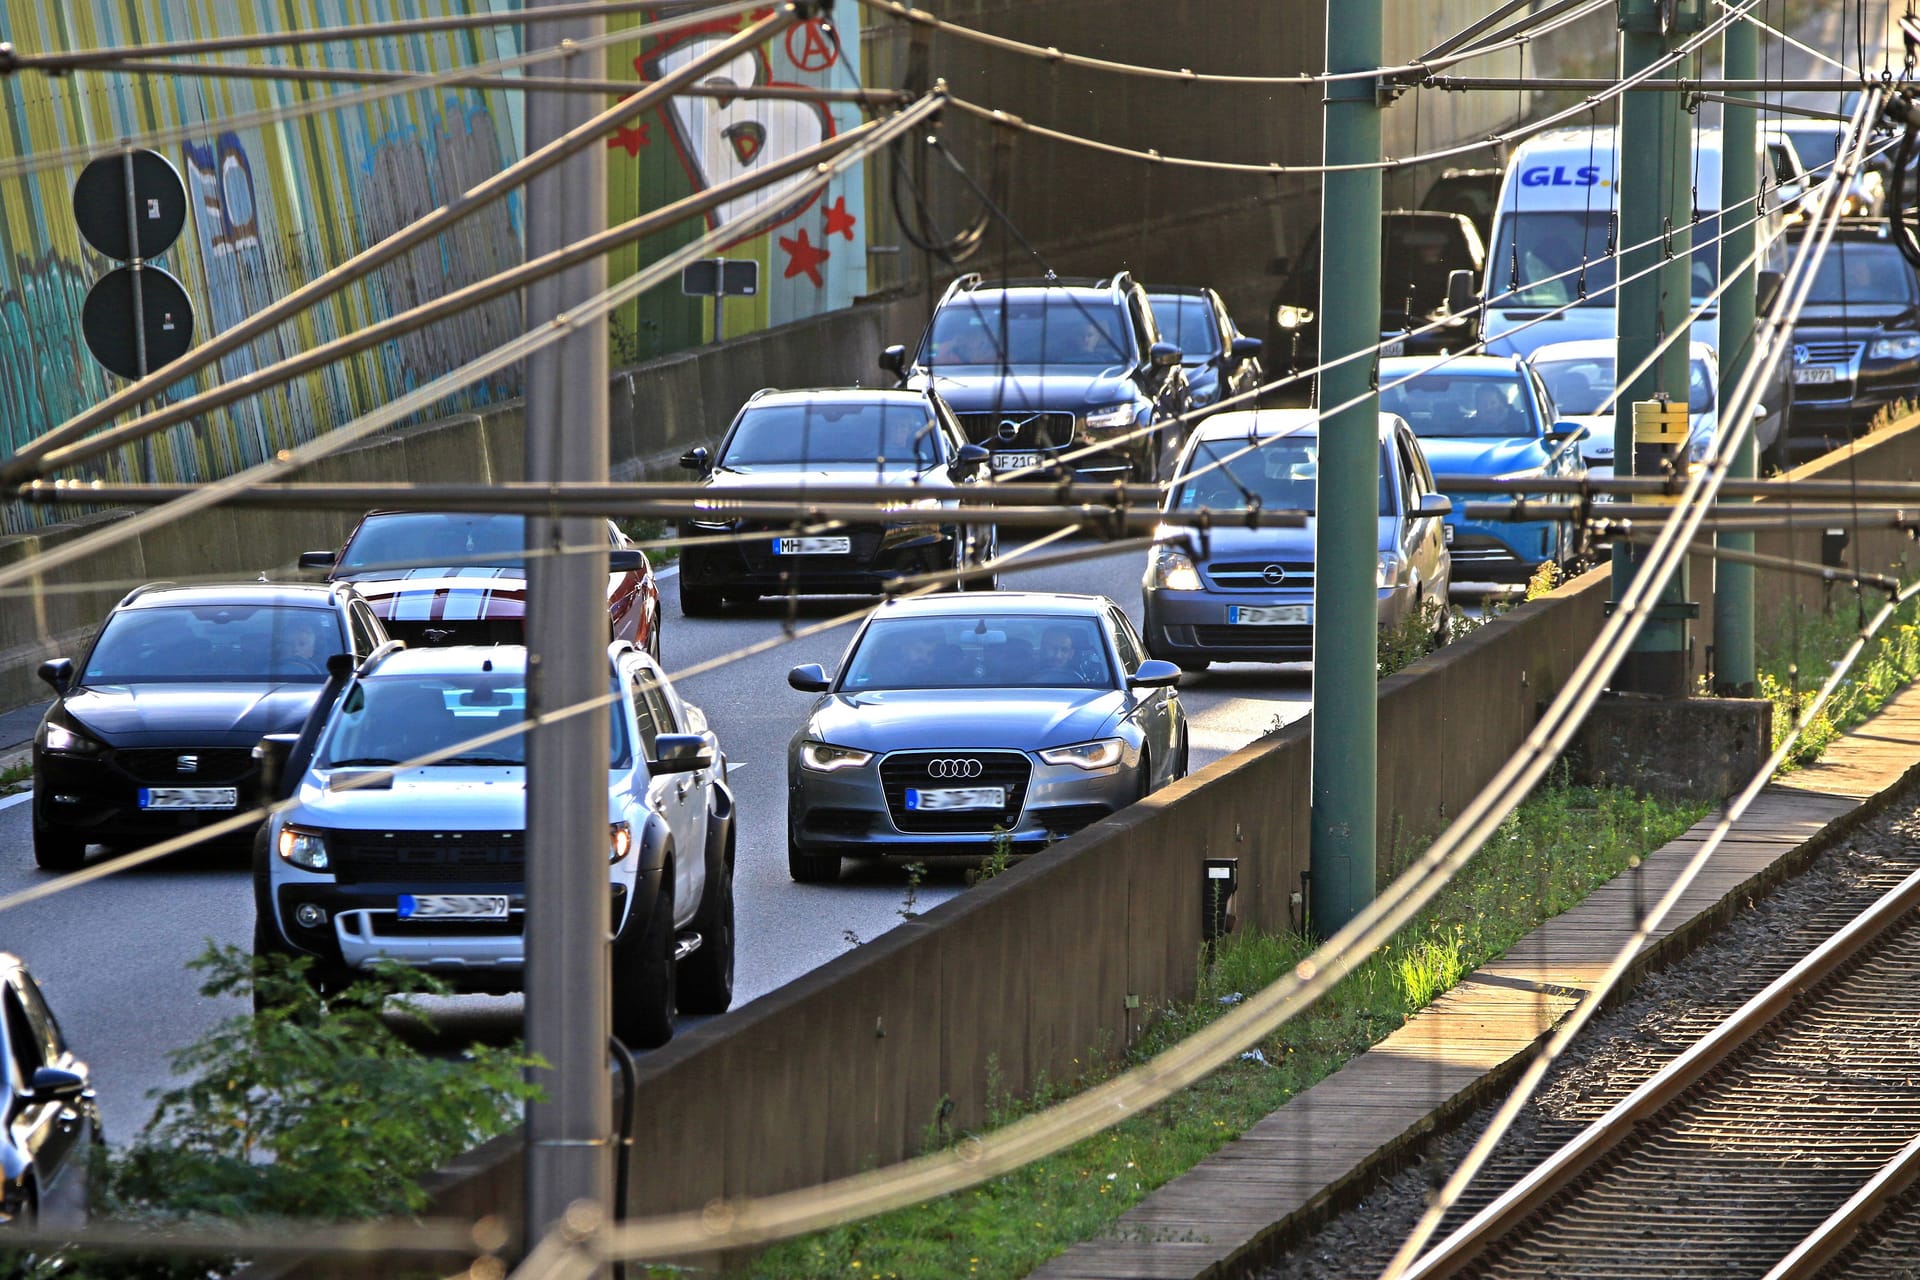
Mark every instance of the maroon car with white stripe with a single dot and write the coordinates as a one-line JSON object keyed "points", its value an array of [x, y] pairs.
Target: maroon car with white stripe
{"points": [[439, 577]]}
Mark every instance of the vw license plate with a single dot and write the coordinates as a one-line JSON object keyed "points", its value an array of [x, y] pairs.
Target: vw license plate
{"points": [[957, 798], [1268, 616], [812, 546], [1815, 373], [189, 797], [1015, 461], [452, 906]]}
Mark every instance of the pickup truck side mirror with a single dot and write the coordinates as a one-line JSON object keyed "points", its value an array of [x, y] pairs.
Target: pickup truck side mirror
{"points": [[679, 753], [1462, 297]]}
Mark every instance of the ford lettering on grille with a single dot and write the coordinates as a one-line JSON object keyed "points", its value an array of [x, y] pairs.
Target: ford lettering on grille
{"points": [[959, 768]]}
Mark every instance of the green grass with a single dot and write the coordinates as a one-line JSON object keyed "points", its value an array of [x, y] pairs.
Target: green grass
{"points": [[1548, 855], [1796, 656], [15, 777]]}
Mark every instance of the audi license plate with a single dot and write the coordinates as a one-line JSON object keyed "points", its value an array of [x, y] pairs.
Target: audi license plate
{"points": [[189, 797], [812, 546], [957, 798], [1815, 373], [1015, 461], [452, 906], [1241, 615]]}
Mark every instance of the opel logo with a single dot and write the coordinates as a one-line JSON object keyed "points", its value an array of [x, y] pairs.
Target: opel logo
{"points": [[1800, 353], [187, 764], [954, 768], [1273, 575]]}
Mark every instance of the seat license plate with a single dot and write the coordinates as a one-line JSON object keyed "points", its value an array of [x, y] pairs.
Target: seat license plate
{"points": [[452, 906], [1815, 373], [957, 798], [189, 797], [1268, 615], [812, 546], [1015, 461]]}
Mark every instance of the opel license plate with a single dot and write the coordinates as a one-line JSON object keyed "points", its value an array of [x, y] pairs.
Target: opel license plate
{"points": [[1815, 373], [1015, 461], [812, 546], [452, 906], [1241, 615], [957, 798], [189, 797]]}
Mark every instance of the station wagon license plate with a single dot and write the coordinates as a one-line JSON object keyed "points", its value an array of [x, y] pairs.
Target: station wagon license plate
{"points": [[1015, 461], [957, 798], [189, 797], [1241, 615], [452, 906], [812, 546], [1815, 373]]}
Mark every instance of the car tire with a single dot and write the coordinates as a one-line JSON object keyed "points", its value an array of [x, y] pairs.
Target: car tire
{"points": [[1186, 754], [705, 984], [56, 850], [700, 602], [811, 868], [1146, 775], [643, 974]]}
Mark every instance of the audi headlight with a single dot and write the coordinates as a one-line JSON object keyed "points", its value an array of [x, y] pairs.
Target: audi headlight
{"points": [[1111, 417], [1387, 572], [55, 736], [824, 757], [1898, 346], [1103, 754], [304, 849], [1291, 317], [709, 514], [619, 841], [1170, 569]]}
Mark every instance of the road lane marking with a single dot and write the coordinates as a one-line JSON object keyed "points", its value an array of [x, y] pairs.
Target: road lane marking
{"points": [[7, 802]]}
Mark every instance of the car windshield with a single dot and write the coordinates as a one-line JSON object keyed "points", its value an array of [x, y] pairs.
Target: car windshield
{"points": [[1546, 273], [1853, 272], [1188, 322], [1457, 405], [215, 644], [1280, 473], [1581, 385], [1025, 331], [419, 538], [389, 720], [888, 434], [1416, 258], [990, 652]]}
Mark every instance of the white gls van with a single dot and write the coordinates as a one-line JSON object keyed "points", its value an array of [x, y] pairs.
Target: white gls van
{"points": [[1561, 199]]}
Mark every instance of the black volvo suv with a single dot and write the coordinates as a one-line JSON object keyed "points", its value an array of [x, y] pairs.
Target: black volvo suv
{"points": [[1856, 346], [1036, 368]]}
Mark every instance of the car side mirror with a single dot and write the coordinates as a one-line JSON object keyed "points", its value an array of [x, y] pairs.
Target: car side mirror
{"points": [[680, 753], [1565, 431], [1462, 297], [318, 559], [1435, 504], [55, 1084], [1759, 411], [969, 460], [273, 752], [58, 673], [1163, 355], [809, 677], [1766, 287], [1154, 674], [894, 360], [695, 459], [626, 560], [1243, 349]]}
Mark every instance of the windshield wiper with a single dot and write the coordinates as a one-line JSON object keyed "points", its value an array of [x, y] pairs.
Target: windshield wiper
{"points": [[479, 760], [360, 760]]}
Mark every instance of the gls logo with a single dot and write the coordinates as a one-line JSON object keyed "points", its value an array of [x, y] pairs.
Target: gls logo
{"points": [[1541, 175]]}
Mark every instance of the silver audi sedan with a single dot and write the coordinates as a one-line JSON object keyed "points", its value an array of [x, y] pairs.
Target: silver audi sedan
{"points": [[955, 721]]}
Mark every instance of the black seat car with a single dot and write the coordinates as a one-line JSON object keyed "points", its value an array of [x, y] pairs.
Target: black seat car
{"points": [[907, 441], [1856, 345], [1221, 362], [53, 1121], [1036, 368], [152, 732]]}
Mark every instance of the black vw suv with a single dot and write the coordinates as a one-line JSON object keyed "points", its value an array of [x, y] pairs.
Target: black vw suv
{"points": [[1038, 368], [1856, 344]]}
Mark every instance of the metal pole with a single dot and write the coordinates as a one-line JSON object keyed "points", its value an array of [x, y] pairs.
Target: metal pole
{"points": [[1733, 663], [136, 265], [568, 1017], [1346, 538], [1656, 181], [719, 295]]}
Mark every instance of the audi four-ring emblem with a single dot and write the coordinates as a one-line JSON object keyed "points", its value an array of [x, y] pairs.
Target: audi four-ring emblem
{"points": [[954, 768]]}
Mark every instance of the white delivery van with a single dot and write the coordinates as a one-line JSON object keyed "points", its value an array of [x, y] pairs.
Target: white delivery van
{"points": [[1560, 200]]}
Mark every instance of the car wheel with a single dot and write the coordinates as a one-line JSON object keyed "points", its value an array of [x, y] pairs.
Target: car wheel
{"points": [[56, 850], [811, 868], [643, 974], [1146, 775], [706, 977], [700, 602], [1186, 751]]}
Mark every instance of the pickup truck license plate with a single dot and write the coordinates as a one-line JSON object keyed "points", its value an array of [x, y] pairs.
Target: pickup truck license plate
{"points": [[812, 546], [189, 797], [1815, 373], [1015, 461], [957, 798], [452, 906], [1241, 615]]}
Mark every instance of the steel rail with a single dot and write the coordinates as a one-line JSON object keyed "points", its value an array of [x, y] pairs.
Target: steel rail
{"points": [[1472, 1241], [1760, 560], [1458, 84], [1747, 514], [1676, 484], [1827, 1241]]}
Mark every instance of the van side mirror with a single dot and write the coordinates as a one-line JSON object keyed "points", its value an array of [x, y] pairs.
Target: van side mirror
{"points": [[894, 360], [1462, 297], [58, 673]]}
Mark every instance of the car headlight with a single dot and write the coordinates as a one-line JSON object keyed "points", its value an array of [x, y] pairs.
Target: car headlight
{"points": [[619, 841], [1292, 317], [1387, 572], [1898, 346], [60, 737], [709, 514], [824, 757], [304, 849], [1103, 754], [1109, 417], [1170, 569]]}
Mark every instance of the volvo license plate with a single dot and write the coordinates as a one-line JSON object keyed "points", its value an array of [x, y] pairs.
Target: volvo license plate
{"points": [[1015, 461], [957, 798], [452, 906], [812, 546], [1278, 615], [189, 797]]}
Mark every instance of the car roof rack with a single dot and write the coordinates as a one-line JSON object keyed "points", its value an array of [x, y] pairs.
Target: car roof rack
{"points": [[142, 589]]}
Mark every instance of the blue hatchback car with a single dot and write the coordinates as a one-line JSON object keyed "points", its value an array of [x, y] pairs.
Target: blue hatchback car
{"points": [[1487, 416]]}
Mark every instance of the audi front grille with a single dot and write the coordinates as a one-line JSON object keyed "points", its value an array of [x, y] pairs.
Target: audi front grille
{"points": [[925, 770]]}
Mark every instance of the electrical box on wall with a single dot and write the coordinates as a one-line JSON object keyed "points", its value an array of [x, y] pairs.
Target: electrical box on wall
{"points": [[1663, 17]]}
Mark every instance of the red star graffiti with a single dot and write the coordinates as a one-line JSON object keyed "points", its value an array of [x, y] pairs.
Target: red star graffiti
{"points": [[803, 256], [839, 221]]}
